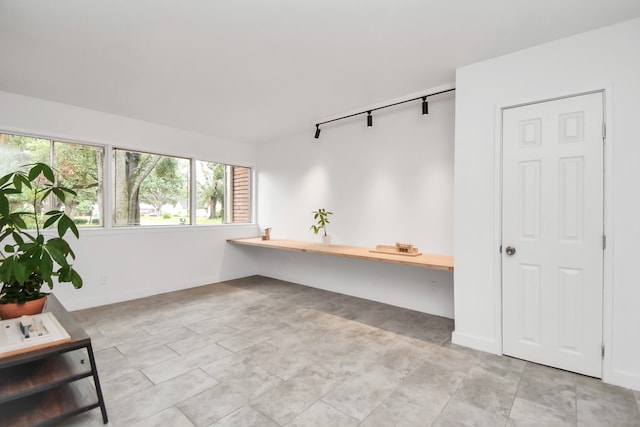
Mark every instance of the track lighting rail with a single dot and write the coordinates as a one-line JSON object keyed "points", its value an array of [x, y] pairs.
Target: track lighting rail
{"points": [[425, 110]]}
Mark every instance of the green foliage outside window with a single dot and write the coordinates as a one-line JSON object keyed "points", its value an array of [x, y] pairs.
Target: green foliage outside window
{"points": [[150, 186], [210, 192], [78, 167], [147, 189]]}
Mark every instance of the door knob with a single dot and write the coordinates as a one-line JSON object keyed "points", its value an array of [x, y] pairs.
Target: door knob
{"points": [[510, 250]]}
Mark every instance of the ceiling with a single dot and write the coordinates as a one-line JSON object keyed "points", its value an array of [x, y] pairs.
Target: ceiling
{"points": [[258, 70]]}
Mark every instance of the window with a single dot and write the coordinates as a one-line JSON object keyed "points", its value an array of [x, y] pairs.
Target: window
{"points": [[78, 167], [18, 150], [210, 184], [222, 194], [146, 188], [150, 189]]}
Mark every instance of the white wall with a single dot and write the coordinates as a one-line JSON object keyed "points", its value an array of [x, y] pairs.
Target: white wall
{"points": [[121, 264], [603, 59], [391, 182]]}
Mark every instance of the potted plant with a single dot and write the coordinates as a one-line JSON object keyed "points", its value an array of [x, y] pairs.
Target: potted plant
{"points": [[29, 258], [322, 219]]}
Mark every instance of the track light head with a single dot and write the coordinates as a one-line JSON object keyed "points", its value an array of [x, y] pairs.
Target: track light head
{"points": [[317, 131], [369, 119], [425, 106]]}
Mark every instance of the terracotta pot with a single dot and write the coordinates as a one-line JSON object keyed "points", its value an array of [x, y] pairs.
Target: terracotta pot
{"points": [[13, 310]]}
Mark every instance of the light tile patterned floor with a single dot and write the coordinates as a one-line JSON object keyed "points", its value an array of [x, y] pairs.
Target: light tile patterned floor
{"points": [[262, 352]]}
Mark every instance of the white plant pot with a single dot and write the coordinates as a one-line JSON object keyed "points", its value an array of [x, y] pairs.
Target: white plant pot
{"points": [[326, 240]]}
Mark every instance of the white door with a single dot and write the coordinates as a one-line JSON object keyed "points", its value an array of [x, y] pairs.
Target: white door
{"points": [[552, 232]]}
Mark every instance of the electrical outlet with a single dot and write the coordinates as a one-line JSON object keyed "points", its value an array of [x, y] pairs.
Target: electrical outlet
{"points": [[434, 284]]}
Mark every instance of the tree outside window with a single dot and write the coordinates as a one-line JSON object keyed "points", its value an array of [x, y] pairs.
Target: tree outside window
{"points": [[78, 167], [210, 182], [151, 189]]}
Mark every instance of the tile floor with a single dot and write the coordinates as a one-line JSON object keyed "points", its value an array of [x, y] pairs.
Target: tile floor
{"points": [[262, 352]]}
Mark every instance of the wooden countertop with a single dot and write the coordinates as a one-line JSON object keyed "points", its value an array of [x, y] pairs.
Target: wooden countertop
{"points": [[434, 262]]}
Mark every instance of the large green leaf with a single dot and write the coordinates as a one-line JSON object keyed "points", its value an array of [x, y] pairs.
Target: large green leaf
{"points": [[20, 272], [65, 224], [28, 249], [53, 216], [4, 205], [76, 280], [17, 220], [5, 179], [17, 182], [46, 265], [35, 171], [68, 191], [56, 249], [20, 179], [6, 269], [43, 194], [59, 193], [48, 172], [18, 238]]}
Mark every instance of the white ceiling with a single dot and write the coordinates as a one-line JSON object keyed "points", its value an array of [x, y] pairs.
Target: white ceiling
{"points": [[258, 70]]}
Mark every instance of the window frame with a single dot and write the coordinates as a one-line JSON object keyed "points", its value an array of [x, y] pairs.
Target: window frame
{"points": [[51, 161], [114, 187], [104, 172], [108, 184]]}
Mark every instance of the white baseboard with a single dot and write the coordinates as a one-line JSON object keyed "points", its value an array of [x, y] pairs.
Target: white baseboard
{"points": [[73, 301], [612, 376], [622, 379], [476, 343]]}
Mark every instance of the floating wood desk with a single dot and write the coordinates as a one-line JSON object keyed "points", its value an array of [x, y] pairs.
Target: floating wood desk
{"points": [[434, 262]]}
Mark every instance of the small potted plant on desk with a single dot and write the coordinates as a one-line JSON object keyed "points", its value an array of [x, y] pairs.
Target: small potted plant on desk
{"points": [[28, 259], [322, 219]]}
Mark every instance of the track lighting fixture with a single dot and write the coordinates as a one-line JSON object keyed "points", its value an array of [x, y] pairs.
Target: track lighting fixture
{"points": [[425, 110]]}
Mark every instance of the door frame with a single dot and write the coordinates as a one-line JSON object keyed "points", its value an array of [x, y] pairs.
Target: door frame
{"points": [[608, 226]]}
